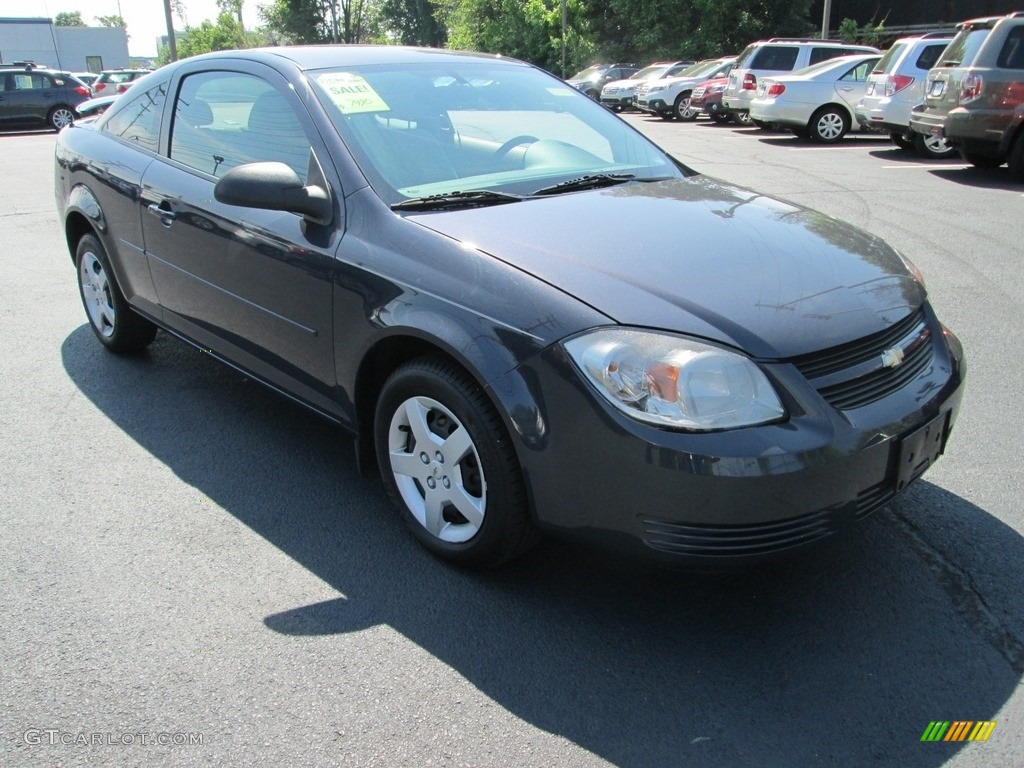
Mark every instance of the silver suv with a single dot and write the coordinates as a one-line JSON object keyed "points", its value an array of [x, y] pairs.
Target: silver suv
{"points": [[773, 57], [974, 95], [670, 97], [895, 88]]}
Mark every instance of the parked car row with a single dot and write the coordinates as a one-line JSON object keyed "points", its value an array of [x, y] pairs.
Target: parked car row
{"points": [[940, 94], [35, 96]]}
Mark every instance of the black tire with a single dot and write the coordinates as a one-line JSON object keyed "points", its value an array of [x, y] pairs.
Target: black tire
{"points": [[742, 118], [828, 125], [483, 478], [667, 115], [901, 140], [719, 118], [118, 327], [933, 147], [682, 109], [60, 117], [980, 161], [1016, 159]]}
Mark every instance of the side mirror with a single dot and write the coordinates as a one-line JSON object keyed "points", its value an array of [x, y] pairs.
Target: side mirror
{"points": [[275, 187]]}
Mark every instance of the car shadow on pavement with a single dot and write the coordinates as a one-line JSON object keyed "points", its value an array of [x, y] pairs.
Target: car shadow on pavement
{"points": [[842, 655], [981, 178]]}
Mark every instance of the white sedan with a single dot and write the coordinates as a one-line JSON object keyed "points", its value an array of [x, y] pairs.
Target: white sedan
{"points": [[817, 102]]}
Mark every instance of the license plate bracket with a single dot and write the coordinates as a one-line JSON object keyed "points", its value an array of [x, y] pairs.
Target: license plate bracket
{"points": [[920, 449]]}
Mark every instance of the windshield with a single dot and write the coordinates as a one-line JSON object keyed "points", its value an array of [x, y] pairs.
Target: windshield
{"points": [[700, 68], [589, 72], [440, 127], [655, 70]]}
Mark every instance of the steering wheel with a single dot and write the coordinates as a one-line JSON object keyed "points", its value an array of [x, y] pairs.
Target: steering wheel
{"points": [[512, 143]]}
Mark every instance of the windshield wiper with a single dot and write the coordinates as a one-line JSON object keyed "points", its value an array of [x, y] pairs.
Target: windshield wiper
{"points": [[470, 199], [591, 181]]}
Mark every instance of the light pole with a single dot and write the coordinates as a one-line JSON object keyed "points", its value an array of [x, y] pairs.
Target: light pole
{"points": [[826, 12], [565, 17], [172, 44]]}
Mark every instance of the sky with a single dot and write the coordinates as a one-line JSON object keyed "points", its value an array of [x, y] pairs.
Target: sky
{"points": [[145, 18]]}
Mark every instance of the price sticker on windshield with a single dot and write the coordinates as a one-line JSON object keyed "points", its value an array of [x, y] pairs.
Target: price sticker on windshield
{"points": [[351, 94]]}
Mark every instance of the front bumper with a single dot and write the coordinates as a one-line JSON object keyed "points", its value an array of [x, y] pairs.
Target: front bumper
{"points": [[713, 500], [654, 106]]}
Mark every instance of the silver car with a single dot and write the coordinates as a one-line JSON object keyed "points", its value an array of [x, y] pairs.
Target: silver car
{"points": [[816, 102]]}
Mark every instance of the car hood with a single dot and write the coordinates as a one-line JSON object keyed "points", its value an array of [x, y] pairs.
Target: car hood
{"points": [[700, 257]]}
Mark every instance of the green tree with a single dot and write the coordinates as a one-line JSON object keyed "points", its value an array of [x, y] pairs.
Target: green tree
{"points": [[414, 22], [111, 21], [849, 31], [318, 21], [524, 29], [68, 19], [225, 34]]}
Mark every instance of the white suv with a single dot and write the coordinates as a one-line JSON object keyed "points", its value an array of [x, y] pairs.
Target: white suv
{"points": [[773, 57], [894, 89], [670, 97]]}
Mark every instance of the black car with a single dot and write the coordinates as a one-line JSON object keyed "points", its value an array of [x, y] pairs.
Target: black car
{"points": [[380, 234], [32, 97]]}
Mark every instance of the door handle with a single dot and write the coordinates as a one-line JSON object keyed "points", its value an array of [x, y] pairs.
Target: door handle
{"points": [[166, 215]]}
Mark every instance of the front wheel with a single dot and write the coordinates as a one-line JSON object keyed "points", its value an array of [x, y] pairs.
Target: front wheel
{"points": [[1016, 159], [683, 110], [448, 464], [61, 117], [828, 125], [118, 327], [901, 140]]}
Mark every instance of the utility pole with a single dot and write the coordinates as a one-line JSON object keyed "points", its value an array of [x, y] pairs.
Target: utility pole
{"points": [[565, 19], [172, 44], [824, 19]]}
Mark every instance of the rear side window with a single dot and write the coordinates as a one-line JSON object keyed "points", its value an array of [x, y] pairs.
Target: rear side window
{"points": [[929, 56], [888, 62], [964, 47], [748, 52], [1012, 54], [824, 54], [781, 57], [138, 121]]}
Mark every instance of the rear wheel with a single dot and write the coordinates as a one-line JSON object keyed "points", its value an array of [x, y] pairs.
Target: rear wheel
{"points": [[901, 140], [115, 324], [980, 161], [448, 465], [933, 147], [828, 125], [60, 117], [683, 110], [720, 118]]}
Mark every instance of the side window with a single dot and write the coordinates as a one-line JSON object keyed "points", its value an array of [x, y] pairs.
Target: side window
{"points": [[1012, 54], [929, 56], [677, 69], [782, 57], [139, 120], [858, 74], [824, 54], [226, 119]]}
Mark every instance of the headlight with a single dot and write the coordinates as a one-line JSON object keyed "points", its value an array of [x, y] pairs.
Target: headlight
{"points": [[716, 88], [912, 268], [654, 88], [675, 382]]}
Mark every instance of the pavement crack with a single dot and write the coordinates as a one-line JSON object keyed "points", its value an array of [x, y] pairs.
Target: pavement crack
{"points": [[966, 596]]}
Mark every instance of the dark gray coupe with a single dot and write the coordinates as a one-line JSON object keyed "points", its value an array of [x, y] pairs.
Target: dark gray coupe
{"points": [[383, 234]]}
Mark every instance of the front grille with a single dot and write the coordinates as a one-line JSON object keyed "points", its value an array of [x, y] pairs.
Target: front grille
{"points": [[761, 538], [867, 383]]}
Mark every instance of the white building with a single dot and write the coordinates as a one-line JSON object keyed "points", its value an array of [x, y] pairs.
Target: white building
{"points": [[75, 49]]}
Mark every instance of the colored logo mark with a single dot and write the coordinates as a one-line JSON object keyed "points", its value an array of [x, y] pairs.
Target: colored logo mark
{"points": [[958, 730]]}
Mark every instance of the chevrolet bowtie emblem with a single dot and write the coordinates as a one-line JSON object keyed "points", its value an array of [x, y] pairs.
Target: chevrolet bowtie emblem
{"points": [[892, 357]]}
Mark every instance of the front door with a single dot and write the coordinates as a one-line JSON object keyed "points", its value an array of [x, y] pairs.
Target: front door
{"points": [[253, 286]]}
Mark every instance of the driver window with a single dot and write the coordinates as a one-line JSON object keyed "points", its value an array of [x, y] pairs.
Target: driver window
{"points": [[226, 119]]}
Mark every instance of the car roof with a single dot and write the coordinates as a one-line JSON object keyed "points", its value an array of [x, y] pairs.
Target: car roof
{"points": [[323, 56]]}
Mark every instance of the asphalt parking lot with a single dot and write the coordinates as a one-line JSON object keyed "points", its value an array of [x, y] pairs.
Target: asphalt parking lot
{"points": [[194, 573]]}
